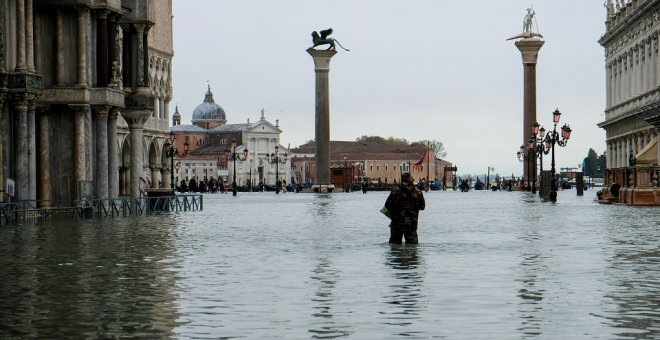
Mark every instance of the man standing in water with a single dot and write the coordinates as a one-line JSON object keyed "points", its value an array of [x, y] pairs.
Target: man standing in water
{"points": [[404, 203]]}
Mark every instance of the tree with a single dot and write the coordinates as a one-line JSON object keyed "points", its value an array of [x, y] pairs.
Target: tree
{"points": [[602, 165], [391, 141], [591, 164], [437, 147]]}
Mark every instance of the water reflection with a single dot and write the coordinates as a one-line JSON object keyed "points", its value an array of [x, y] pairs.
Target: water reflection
{"points": [[325, 277], [405, 298], [634, 277], [78, 280], [530, 292]]}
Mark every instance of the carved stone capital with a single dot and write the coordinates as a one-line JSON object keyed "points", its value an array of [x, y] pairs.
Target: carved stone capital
{"points": [[321, 58], [101, 111], [79, 108], [529, 48], [135, 118]]}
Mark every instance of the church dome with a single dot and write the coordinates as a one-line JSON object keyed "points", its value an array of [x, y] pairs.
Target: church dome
{"points": [[209, 110]]}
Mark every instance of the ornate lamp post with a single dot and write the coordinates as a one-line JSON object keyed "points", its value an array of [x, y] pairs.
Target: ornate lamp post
{"points": [[232, 156], [539, 150], [525, 154], [170, 151], [550, 140], [277, 160]]}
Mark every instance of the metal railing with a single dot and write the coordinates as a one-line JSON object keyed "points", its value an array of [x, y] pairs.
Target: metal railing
{"points": [[12, 212]]}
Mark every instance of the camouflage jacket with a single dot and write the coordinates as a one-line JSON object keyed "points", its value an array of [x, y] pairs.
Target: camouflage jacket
{"points": [[404, 204]]}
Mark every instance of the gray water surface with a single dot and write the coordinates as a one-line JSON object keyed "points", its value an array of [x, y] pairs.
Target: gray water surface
{"points": [[490, 265]]}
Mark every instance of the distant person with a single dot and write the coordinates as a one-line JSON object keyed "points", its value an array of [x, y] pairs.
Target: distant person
{"points": [[403, 204]]}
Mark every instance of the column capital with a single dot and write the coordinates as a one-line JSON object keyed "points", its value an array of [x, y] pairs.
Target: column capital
{"points": [[135, 119], [79, 108], [101, 111], [529, 48], [321, 58]]}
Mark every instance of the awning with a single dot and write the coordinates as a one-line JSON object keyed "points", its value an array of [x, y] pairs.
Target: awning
{"points": [[649, 154]]}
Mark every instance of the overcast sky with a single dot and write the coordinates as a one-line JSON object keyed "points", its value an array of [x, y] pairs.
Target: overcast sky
{"points": [[417, 69]]}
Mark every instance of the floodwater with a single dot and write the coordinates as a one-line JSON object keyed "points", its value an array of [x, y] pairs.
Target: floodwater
{"points": [[490, 265]]}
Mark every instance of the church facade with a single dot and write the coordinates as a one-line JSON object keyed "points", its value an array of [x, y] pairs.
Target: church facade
{"points": [[201, 148], [632, 112], [84, 92]]}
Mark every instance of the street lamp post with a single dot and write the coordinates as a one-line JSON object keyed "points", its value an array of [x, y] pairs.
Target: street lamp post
{"points": [[232, 156], [170, 151], [525, 154], [277, 160], [550, 140], [539, 150]]}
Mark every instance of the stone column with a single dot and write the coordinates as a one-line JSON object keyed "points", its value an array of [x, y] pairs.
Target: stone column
{"points": [[102, 164], [3, 19], [113, 156], [141, 47], [45, 185], [167, 111], [136, 120], [32, 149], [608, 86], [37, 47], [322, 130], [657, 133], [3, 132], [59, 48], [21, 165], [29, 35], [165, 174], [80, 111], [608, 155], [529, 49], [20, 37], [82, 46], [155, 176]]}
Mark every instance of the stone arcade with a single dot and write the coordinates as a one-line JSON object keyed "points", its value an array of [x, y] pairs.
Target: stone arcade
{"points": [[84, 91]]}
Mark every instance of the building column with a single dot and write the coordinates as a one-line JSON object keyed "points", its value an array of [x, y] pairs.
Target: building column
{"points": [[29, 35], [657, 133], [608, 153], [142, 55], [155, 176], [45, 184], [3, 133], [529, 49], [167, 111], [20, 37], [322, 128], [165, 174], [79, 160], [21, 165], [59, 48], [617, 145], [3, 20], [136, 120], [608, 86], [102, 167], [113, 154], [82, 46], [32, 149]]}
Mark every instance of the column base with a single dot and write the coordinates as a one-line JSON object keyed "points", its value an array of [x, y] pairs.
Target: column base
{"points": [[323, 187]]}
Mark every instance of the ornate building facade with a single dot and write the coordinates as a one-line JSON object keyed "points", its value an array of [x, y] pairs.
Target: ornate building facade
{"points": [[202, 147], [632, 113], [84, 91]]}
